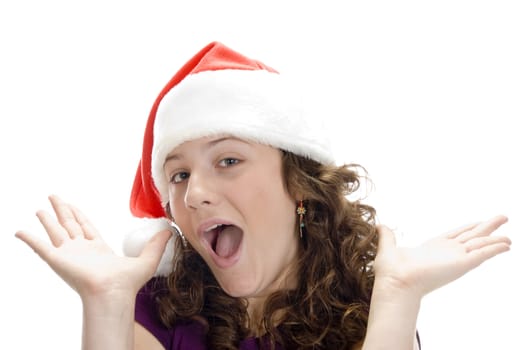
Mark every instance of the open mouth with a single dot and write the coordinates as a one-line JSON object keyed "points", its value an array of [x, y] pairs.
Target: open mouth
{"points": [[224, 239]]}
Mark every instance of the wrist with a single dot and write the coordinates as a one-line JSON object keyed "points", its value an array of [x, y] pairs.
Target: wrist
{"points": [[390, 288], [390, 299], [105, 305]]}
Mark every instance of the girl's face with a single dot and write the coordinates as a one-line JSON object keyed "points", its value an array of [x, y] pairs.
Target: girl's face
{"points": [[229, 198]]}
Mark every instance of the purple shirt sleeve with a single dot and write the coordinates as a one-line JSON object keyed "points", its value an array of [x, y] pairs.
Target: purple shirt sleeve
{"points": [[185, 335]]}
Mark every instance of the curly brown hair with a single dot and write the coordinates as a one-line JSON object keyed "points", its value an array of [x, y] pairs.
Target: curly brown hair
{"points": [[329, 307]]}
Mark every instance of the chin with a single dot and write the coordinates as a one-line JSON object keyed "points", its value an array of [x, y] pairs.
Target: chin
{"points": [[238, 287]]}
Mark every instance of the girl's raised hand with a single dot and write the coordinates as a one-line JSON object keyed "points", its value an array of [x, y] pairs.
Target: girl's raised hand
{"points": [[439, 260], [79, 255]]}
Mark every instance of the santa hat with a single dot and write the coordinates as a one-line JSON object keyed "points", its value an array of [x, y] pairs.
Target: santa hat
{"points": [[218, 91]]}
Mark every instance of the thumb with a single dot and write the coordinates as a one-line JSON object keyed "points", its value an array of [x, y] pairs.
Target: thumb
{"points": [[154, 248], [386, 238]]}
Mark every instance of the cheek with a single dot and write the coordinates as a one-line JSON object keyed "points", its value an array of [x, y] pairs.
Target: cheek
{"points": [[273, 208]]}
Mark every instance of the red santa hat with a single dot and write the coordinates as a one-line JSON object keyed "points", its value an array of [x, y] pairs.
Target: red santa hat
{"points": [[218, 91]]}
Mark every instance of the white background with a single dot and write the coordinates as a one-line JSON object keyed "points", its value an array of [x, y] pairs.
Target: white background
{"points": [[429, 96]]}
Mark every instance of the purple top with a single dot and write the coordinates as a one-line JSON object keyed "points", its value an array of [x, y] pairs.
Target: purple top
{"points": [[187, 335]]}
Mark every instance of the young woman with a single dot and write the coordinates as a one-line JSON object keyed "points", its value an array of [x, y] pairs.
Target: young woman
{"points": [[264, 248]]}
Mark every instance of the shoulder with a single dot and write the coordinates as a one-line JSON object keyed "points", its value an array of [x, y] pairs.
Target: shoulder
{"points": [[151, 332]]}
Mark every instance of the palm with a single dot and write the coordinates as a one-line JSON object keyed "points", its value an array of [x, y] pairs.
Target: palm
{"points": [[439, 260], [89, 265]]}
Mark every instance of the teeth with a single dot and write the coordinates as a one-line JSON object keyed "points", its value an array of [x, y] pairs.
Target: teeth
{"points": [[213, 227]]}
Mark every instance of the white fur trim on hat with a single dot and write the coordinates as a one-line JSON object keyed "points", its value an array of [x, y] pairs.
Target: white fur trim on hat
{"points": [[256, 105], [135, 241]]}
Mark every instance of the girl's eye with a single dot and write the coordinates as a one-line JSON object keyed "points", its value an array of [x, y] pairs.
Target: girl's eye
{"points": [[228, 162], [179, 177]]}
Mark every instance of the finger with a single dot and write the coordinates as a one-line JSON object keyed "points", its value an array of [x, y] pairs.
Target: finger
{"points": [[483, 229], [43, 249], [458, 231], [386, 238], [478, 256], [66, 217], [87, 228], [57, 234], [481, 242]]}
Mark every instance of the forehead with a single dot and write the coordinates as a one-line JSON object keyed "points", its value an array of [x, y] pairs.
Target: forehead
{"points": [[206, 142]]}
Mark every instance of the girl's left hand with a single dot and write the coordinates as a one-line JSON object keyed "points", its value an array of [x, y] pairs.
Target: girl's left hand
{"points": [[437, 261]]}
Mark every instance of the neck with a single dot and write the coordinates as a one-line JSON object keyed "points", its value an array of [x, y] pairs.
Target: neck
{"points": [[255, 316], [256, 304]]}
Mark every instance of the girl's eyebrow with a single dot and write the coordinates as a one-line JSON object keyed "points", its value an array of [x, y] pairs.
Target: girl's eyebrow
{"points": [[172, 157], [226, 138], [210, 144]]}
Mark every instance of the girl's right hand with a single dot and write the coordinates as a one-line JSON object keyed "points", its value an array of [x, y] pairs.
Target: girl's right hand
{"points": [[79, 255]]}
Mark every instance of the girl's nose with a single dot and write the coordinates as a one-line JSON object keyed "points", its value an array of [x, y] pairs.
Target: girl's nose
{"points": [[199, 192]]}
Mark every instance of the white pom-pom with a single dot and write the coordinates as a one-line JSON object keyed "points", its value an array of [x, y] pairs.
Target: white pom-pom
{"points": [[135, 241]]}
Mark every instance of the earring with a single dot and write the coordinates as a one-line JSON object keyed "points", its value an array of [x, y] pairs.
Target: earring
{"points": [[301, 210], [179, 232]]}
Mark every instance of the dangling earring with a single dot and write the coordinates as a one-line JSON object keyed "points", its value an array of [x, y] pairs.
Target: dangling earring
{"points": [[174, 225], [179, 232], [301, 210]]}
